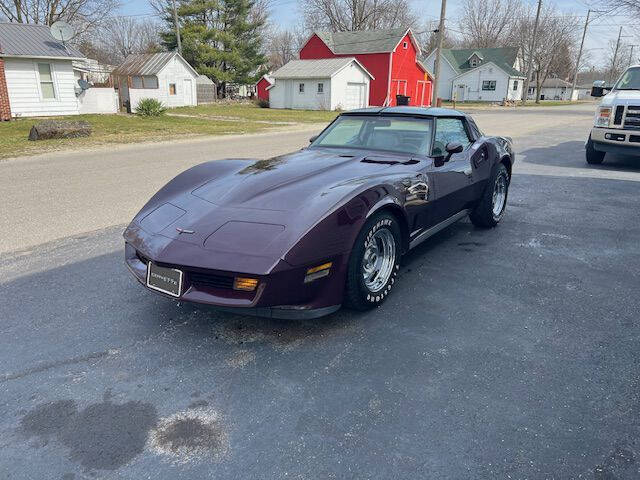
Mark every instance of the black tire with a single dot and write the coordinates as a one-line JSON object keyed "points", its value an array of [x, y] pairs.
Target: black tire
{"points": [[483, 215], [358, 295], [594, 157]]}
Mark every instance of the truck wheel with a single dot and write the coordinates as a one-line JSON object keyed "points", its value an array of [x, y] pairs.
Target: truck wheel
{"points": [[491, 207], [374, 262], [594, 157]]}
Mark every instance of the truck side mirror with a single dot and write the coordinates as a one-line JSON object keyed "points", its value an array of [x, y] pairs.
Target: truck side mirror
{"points": [[598, 89]]}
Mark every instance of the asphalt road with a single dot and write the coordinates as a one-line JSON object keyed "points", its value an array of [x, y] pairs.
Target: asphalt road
{"points": [[508, 353]]}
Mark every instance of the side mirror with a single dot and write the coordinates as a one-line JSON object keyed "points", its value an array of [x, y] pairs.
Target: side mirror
{"points": [[597, 90], [451, 148], [313, 139]]}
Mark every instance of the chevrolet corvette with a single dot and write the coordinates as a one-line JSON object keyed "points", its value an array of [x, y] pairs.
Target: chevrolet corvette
{"points": [[300, 235]]}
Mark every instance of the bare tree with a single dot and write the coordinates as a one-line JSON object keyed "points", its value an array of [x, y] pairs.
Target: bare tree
{"points": [[282, 46], [489, 23], [349, 15], [615, 69], [125, 35], [84, 15], [428, 38], [554, 54]]}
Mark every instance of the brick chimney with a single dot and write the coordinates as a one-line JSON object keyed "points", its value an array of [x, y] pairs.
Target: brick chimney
{"points": [[5, 108]]}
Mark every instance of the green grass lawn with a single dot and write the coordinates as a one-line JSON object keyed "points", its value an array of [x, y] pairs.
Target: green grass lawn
{"points": [[253, 113]]}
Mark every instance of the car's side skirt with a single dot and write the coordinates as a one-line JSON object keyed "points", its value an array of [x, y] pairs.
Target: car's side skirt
{"points": [[436, 228]]}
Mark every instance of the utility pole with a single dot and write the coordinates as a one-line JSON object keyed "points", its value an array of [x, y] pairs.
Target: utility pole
{"points": [[177, 24], [615, 56], [631, 54], [436, 62], [531, 50], [575, 74]]}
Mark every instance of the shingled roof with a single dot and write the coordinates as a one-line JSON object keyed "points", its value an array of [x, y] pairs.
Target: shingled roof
{"points": [[364, 41], [33, 41], [503, 57]]}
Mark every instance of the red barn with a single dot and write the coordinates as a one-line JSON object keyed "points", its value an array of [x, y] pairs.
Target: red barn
{"points": [[262, 87], [391, 56]]}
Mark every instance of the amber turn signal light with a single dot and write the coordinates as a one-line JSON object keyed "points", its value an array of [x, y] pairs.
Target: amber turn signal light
{"points": [[246, 284], [317, 272]]}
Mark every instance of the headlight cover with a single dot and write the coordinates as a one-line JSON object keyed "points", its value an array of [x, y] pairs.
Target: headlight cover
{"points": [[603, 116]]}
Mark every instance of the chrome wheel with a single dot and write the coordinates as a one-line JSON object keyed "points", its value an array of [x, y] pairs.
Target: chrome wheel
{"points": [[379, 260], [499, 195]]}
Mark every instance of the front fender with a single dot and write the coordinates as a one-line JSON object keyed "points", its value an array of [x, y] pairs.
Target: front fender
{"points": [[336, 233]]}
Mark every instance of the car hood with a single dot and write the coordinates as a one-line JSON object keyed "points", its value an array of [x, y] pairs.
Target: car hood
{"points": [[255, 208], [621, 97]]}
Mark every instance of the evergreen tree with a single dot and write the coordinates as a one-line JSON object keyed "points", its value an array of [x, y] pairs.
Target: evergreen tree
{"points": [[220, 39]]}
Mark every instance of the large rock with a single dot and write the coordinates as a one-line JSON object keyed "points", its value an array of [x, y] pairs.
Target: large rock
{"points": [[58, 129]]}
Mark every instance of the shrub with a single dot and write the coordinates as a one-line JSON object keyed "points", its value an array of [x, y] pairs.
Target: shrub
{"points": [[150, 107], [262, 103]]}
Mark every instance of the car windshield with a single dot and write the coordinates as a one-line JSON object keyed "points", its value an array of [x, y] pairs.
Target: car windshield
{"points": [[630, 80], [394, 134]]}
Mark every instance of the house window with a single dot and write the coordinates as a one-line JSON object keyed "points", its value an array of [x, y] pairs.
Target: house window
{"points": [[488, 85], [321, 88], [473, 63], [172, 89], [515, 84], [136, 82], [150, 81], [46, 81], [405, 45], [301, 88]]}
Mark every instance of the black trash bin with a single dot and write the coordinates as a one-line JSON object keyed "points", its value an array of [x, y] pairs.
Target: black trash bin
{"points": [[402, 100]]}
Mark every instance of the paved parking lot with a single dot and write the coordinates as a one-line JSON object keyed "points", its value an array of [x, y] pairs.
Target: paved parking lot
{"points": [[509, 353]]}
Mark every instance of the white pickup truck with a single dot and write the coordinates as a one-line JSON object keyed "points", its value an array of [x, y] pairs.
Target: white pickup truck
{"points": [[616, 127]]}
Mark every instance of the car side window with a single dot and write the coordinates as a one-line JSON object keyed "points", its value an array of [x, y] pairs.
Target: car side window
{"points": [[449, 130]]}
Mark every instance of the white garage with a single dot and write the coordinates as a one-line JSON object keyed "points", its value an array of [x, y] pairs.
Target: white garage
{"points": [[325, 84]]}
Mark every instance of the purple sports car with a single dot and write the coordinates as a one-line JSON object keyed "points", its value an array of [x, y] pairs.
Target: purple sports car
{"points": [[299, 235]]}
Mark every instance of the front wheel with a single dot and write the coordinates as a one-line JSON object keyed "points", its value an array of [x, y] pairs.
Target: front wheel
{"points": [[374, 262], [594, 157], [493, 204]]}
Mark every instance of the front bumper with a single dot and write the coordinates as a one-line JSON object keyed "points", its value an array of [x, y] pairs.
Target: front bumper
{"points": [[281, 294], [616, 140]]}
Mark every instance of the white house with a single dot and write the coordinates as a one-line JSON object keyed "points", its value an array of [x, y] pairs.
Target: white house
{"points": [[166, 76], [481, 74], [553, 89], [325, 84], [37, 76]]}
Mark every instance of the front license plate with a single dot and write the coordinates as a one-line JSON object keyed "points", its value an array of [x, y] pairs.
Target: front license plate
{"points": [[165, 280]]}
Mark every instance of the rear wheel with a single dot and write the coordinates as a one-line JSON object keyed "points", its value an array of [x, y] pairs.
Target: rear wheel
{"points": [[491, 207], [594, 157], [374, 262]]}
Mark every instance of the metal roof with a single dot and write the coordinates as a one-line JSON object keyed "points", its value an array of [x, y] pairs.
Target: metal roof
{"points": [[363, 41], [146, 64], [322, 68], [28, 40]]}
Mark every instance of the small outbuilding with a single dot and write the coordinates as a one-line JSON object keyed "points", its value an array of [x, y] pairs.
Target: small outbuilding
{"points": [[207, 90], [262, 87], [325, 84], [166, 76]]}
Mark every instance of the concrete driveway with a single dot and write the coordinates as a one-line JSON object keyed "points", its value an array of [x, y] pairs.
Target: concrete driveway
{"points": [[508, 353]]}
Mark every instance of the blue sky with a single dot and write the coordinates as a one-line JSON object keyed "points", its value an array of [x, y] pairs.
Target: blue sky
{"points": [[601, 30]]}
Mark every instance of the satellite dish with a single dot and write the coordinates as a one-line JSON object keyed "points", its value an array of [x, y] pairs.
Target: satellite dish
{"points": [[62, 31]]}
